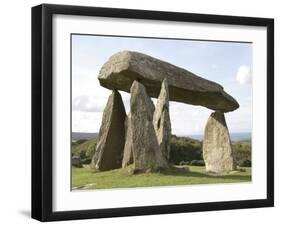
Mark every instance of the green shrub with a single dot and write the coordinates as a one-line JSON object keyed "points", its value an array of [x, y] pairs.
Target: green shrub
{"points": [[86, 161], [76, 161], [245, 163], [85, 150], [182, 163], [197, 163], [185, 149], [242, 153]]}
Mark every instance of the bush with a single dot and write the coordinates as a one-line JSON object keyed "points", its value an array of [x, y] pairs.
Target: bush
{"points": [[76, 162], [86, 161], [245, 163], [182, 163], [84, 151], [242, 152], [197, 163], [184, 149]]}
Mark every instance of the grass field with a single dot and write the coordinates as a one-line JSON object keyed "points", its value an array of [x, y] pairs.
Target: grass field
{"points": [[87, 178]]}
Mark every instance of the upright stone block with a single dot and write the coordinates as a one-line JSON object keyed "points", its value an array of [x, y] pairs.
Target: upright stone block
{"points": [[111, 139], [147, 153], [217, 148], [128, 148], [161, 120]]}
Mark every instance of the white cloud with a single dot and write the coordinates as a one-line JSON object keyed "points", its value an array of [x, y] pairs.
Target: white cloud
{"points": [[244, 75], [188, 119], [86, 121], [96, 102], [238, 124], [88, 104]]}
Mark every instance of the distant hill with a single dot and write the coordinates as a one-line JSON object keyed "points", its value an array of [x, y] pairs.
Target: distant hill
{"points": [[84, 136], [234, 137]]}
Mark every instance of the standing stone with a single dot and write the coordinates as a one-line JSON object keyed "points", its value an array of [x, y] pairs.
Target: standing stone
{"points": [[128, 148], [161, 120], [111, 139], [147, 154], [217, 148]]}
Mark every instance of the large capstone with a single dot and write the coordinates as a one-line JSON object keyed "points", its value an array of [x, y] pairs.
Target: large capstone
{"points": [[128, 148], [147, 154], [111, 139], [217, 148], [123, 68], [161, 120]]}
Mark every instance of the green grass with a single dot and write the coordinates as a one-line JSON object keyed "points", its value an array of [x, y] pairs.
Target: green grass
{"points": [[87, 178]]}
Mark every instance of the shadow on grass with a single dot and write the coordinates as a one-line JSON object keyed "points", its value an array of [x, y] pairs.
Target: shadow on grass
{"points": [[173, 171]]}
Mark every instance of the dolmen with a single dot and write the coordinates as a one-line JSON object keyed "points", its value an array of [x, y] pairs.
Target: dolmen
{"points": [[142, 137]]}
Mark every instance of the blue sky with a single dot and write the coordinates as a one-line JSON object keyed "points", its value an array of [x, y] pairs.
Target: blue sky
{"points": [[226, 63]]}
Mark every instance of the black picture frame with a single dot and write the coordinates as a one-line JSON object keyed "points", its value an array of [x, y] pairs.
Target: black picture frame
{"points": [[42, 107]]}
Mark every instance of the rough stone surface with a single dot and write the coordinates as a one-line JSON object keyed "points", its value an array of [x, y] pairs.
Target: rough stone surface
{"points": [[147, 154], [123, 68], [128, 148], [111, 139], [161, 120], [217, 148]]}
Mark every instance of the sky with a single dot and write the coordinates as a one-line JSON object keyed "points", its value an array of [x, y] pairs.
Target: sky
{"points": [[226, 63]]}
